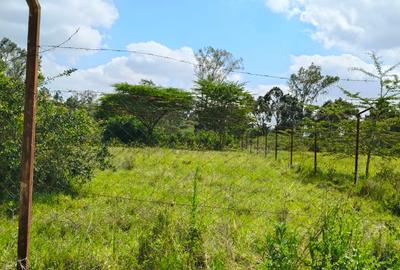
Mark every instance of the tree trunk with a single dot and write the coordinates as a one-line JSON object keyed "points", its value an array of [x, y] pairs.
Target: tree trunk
{"points": [[258, 144], [266, 144], [291, 147], [367, 164], [276, 144], [315, 152]]}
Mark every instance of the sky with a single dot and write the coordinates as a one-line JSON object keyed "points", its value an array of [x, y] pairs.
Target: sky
{"points": [[274, 37]]}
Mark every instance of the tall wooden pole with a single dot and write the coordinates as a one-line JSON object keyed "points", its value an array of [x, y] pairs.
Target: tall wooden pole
{"points": [[28, 140]]}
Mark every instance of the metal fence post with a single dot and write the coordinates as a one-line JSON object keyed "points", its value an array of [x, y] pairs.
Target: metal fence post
{"points": [[357, 150]]}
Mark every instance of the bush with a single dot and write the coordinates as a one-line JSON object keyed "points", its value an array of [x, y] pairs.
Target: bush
{"points": [[336, 244], [384, 187], [170, 245], [127, 130], [282, 249], [68, 146], [11, 101]]}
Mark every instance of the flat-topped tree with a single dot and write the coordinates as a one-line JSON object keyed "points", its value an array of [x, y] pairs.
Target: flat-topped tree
{"points": [[146, 102]]}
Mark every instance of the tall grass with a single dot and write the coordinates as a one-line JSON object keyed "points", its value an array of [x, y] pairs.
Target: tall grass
{"points": [[175, 209]]}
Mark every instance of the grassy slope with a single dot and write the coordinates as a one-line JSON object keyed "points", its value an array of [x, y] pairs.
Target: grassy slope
{"points": [[94, 230]]}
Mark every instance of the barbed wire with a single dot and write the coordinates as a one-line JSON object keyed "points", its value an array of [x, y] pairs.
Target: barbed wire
{"points": [[169, 58]]}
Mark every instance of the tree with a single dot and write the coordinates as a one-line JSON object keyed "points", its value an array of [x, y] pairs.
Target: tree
{"points": [[222, 107], [308, 83], [388, 82], [68, 142], [291, 112], [336, 111], [215, 64], [12, 59], [273, 104], [375, 133], [336, 121], [85, 99], [279, 109], [146, 102], [262, 114]]}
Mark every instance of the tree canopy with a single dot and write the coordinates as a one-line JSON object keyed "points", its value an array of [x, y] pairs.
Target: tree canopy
{"points": [[215, 64], [223, 107], [146, 102], [308, 83]]}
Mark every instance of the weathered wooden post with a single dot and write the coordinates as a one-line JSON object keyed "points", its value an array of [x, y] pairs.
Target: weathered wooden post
{"points": [[28, 140]]}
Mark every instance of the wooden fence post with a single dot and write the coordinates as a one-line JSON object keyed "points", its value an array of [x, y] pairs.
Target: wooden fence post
{"points": [[28, 140]]}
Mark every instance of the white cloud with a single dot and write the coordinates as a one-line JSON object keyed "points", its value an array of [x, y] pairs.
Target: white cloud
{"points": [[351, 26], [262, 89], [59, 19], [131, 69], [340, 65]]}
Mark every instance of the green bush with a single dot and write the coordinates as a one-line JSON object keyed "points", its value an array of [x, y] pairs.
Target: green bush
{"points": [[68, 143], [11, 106], [127, 130], [69, 146], [337, 244], [170, 245], [282, 249], [384, 187]]}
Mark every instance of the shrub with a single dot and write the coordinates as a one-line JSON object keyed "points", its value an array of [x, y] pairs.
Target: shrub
{"points": [[384, 187], [336, 244], [282, 249], [169, 245], [127, 130], [68, 146]]}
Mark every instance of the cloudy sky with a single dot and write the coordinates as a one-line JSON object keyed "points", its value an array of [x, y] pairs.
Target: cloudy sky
{"points": [[273, 37]]}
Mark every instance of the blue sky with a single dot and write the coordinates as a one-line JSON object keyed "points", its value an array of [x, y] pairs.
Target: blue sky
{"points": [[265, 40], [273, 37]]}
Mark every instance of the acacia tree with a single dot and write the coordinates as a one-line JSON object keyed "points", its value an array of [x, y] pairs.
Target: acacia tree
{"points": [[146, 102], [336, 120], [222, 107], [375, 133], [215, 64]]}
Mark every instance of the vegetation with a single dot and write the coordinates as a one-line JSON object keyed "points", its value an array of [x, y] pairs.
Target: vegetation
{"points": [[167, 207], [68, 140], [146, 102], [162, 209]]}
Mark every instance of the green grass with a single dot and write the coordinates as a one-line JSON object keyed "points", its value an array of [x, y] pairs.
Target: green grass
{"points": [[139, 215]]}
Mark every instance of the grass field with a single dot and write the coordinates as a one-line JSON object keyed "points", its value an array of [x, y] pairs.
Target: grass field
{"points": [[176, 209]]}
